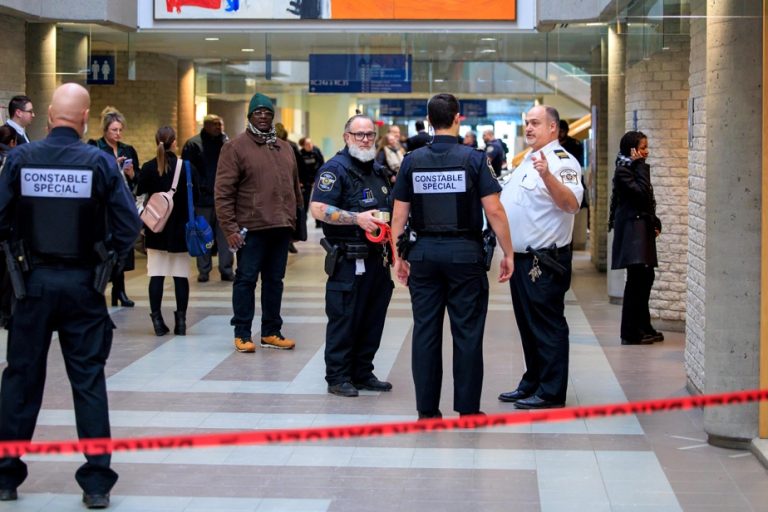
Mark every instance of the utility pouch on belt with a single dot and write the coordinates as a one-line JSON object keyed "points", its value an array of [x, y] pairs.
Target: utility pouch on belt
{"points": [[548, 261], [107, 261], [332, 256], [356, 251], [489, 244], [17, 262], [405, 242]]}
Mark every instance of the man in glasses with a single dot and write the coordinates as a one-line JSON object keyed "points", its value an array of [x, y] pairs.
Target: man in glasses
{"points": [[350, 193], [256, 193], [20, 116]]}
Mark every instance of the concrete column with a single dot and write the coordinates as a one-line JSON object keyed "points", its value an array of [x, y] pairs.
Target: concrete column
{"points": [[41, 74], [734, 152], [186, 98], [71, 57], [617, 63], [597, 183]]}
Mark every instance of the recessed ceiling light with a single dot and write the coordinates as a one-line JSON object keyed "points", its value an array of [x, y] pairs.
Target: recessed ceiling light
{"points": [[211, 38], [439, 80], [487, 38], [247, 50], [488, 50]]}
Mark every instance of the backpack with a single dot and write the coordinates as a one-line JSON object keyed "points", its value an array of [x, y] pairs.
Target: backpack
{"points": [[160, 205]]}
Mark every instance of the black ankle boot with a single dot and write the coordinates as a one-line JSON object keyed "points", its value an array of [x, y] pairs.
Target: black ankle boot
{"points": [[157, 322], [181, 323], [122, 298]]}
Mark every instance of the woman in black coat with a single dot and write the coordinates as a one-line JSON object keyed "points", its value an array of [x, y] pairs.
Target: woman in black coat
{"points": [[167, 250], [112, 125], [636, 226]]}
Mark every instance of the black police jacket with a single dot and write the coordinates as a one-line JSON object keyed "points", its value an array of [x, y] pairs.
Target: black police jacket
{"points": [[61, 196]]}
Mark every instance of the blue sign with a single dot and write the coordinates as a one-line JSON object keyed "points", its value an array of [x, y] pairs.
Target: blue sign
{"points": [[359, 73], [474, 108], [101, 70], [403, 108]]}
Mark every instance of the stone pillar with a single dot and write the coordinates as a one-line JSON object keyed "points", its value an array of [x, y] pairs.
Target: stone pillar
{"points": [[598, 177], [733, 188], [617, 60], [186, 97], [41, 74], [71, 57]]}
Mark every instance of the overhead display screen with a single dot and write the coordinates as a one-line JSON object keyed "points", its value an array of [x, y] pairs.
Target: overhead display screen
{"points": [[379, 73], [437, 10]]}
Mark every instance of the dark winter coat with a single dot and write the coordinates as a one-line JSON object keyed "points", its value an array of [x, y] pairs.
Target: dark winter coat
{"points": [[635, 220], [172, 238]]}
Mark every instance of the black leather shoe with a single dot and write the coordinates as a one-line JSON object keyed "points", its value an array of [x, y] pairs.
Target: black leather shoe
{"points": [[534, 402], [654, 337], [343, 389], [431, 415], [641, 341], [476, 413], [202, 278], [228, 277], [8, 495], [373, 384], [513, 396], [96, 500]]}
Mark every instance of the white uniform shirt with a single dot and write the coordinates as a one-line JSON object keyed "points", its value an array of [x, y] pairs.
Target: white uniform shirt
{"points": [[534, 218]]}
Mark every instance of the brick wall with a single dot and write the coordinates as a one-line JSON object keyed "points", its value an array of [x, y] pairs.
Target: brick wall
{"points": [[697, 229], [13, 57], [658, 90], [147, 103]]}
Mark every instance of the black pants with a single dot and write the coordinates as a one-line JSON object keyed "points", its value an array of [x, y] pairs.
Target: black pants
{"points": [[540, 315], [62, 300], [356, 306], [635, 316], [264, 254], [448, 273]]}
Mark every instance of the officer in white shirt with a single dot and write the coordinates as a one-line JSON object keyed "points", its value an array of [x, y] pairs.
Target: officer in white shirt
{"points": [[541, 200]]}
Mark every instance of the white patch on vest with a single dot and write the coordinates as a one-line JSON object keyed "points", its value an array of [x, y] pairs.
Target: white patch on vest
{"points": [[58, 183], [439, 182]]}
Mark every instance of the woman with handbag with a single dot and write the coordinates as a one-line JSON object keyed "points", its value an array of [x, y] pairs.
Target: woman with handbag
{"points": [[112, 125], [167, 250]]}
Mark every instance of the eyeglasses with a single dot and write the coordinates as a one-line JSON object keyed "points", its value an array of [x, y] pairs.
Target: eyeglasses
{"points": [[360, 136], [29, 112]]}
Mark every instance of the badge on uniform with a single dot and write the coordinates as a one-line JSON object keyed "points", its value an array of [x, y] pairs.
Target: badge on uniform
{"points": [[326, 181], [562, 154], [569, 176]]}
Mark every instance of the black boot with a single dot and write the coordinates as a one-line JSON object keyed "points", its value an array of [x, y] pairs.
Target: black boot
{"points": [[157, 322], [122, 298], [181, 323], [118, 291]]}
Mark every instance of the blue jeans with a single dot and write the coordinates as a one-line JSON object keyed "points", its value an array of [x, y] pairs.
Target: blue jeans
{"points": [[265, 252]]}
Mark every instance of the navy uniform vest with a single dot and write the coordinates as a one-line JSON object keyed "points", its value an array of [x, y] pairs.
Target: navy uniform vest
{"points": [[57, 214], [445, 194], [367, 191]]}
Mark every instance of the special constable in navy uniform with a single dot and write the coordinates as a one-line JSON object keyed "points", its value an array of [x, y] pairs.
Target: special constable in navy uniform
{"points": [[61, 199], [350, 191], [541, 200], [445, 187]]}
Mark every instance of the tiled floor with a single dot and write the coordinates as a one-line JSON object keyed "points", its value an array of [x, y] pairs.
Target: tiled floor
{"points": [[199, 384]]}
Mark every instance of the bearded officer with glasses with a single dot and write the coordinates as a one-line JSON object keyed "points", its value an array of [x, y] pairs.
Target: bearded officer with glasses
{"points": [[352, 196]]}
